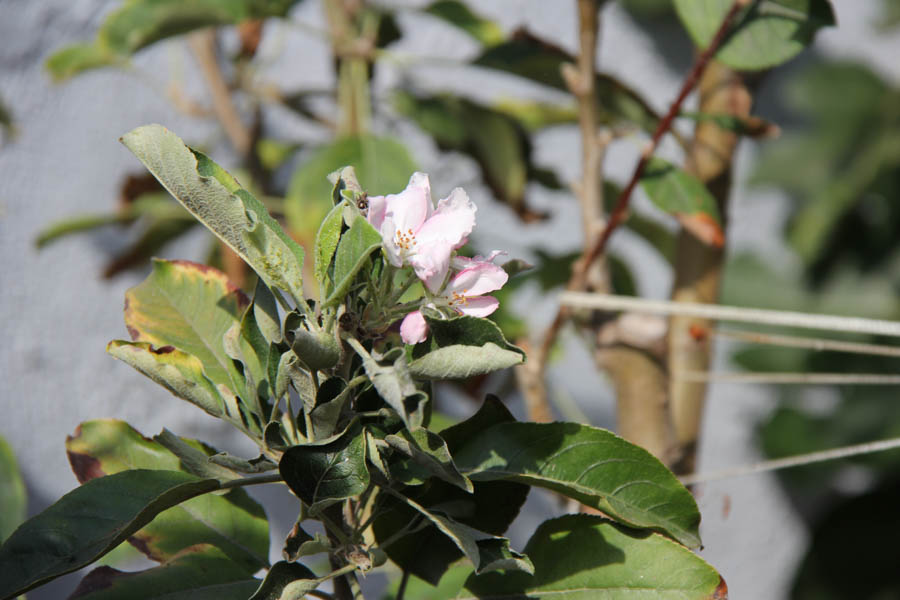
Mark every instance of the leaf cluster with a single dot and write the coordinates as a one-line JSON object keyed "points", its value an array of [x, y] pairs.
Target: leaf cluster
{"points": [[340, 412]]}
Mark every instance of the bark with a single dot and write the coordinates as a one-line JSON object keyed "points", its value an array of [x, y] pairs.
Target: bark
{"points": [[698, 266]]}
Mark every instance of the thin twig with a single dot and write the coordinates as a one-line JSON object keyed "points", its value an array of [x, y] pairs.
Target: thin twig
{"points": [[793, 461], [203, 44], [580, 270], [401, 591], [790, 378], [719, 312], [818, 344]]}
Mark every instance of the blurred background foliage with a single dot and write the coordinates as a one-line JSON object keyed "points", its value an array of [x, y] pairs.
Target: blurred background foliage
{"points": [[838, 159]]}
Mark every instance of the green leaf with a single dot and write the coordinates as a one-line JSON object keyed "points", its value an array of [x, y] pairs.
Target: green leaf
{"points": [[462, 361], [326, 243], [446, 589], [530, 57], [767, 34], [245, 342], [88, 522], [140, 23], [216, 199], [393, 383], [178, 372], [580, 556], [323, 475], [382, 164], [429, 451], [193, 456], [684, 196], [299, 543], [280, 576], [353, 251], [72, 60], [331, 399], [458, 14], [232, 522], [485, 552], [12, 492], [534, 115], [198, 572], [591, 465], [465, 346], [190, 307], [491, 507]]}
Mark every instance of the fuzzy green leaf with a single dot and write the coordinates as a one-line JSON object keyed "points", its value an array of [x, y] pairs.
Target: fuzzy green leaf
{"points": [[465, 346], [88, 522], [353, 251], [591, 465], [394, 383], [429, 451], [217, 200], [326, 243]]}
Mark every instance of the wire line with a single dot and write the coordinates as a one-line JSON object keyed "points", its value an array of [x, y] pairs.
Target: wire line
{"points": [[790, 378], [793, 461], [731, 313]]}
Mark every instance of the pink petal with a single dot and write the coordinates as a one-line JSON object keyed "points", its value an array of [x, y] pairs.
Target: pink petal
{"points": [[431, 263], [409, 208], [481, 306], [420, 180], [452, 221], [375, 213], [480, 278], [393, 251], [414, 329], [463, 262]]}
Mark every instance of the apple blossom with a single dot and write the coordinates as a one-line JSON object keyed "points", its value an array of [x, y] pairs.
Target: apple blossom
{"points": [[416, 233], [464, 294]]}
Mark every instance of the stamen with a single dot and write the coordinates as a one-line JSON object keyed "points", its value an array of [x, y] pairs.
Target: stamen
{"points": [[405, 240]]}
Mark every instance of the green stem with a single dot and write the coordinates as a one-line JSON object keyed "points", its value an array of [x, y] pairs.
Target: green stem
{"points": [[252, 480], [348, 568], [403, 288]]}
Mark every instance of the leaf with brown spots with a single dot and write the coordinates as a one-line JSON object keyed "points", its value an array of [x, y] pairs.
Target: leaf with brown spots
{"points": [[191, 307], [233, 522]]}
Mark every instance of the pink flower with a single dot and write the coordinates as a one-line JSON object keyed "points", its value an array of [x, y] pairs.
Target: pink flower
{"points": [[464, 293], [416, 233]]}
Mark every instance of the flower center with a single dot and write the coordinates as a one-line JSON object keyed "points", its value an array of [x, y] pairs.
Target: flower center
{"points": [[457, 299], [406, 240]]}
